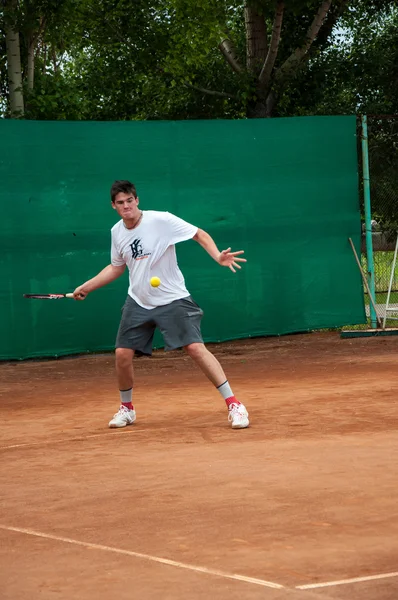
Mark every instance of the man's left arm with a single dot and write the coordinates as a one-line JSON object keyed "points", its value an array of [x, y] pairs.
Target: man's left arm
{"points": [[225, 258]]}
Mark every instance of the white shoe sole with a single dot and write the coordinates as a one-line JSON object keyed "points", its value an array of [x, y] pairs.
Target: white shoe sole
{"points": [[241, 425], [115, 426]]}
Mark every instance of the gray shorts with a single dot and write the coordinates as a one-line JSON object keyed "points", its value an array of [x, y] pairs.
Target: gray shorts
{"points": [[178, 322]]}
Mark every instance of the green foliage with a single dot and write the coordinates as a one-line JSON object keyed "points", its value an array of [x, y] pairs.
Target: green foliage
{"points": [[117, 59], [49, 27], [383, 164], [54, 99], [357, 73]]}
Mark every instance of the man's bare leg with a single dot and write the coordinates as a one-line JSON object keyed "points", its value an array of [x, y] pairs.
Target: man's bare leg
{"points": [[210, 366], [125, 377]]}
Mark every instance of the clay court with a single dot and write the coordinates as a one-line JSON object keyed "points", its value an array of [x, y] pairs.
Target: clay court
{"points": [[302, 505]]}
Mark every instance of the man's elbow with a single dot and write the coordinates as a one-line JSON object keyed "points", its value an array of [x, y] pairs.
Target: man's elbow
{"points": [[118, 270], [199, 235]]}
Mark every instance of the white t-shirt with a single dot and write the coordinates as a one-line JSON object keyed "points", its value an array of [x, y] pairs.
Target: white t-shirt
{"points": [[148, 250]]}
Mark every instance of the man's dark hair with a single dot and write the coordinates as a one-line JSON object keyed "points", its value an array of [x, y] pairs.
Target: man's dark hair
{"points": [[122, 186]]}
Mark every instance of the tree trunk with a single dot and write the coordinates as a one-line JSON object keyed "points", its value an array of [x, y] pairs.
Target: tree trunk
{"points": [[266, 71], [44, 66], [272, 100], [14, 71], [256, 39], [262, 107], [230, 54], [31, 63], [269, 92], [256, 110], [291, 64]]}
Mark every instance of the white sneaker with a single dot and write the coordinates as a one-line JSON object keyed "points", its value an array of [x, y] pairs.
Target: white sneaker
{"points": [[238, 416], [123, 417]]}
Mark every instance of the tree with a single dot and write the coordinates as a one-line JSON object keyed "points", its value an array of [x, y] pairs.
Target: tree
{"points": [[357, 72], [266, 43], [35, 34], [117, 63], [183, 59], [14, 72]]}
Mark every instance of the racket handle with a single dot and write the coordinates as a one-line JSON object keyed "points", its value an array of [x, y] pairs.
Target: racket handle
{"points": [[68, 295]]}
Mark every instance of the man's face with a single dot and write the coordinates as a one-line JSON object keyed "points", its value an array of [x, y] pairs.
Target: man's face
{"points": [[126, 205]]}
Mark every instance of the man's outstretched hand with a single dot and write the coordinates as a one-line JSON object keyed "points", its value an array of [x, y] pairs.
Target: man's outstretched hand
{"points": [[230, 259]]}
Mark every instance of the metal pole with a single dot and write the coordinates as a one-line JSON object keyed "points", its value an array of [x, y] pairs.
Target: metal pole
{"points": [[364, 280], [394, 262], [368, 221]]}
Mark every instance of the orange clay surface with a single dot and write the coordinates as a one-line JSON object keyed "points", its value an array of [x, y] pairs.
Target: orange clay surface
{"points": [[179, 506]]}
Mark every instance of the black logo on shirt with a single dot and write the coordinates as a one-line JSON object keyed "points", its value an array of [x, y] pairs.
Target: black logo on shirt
{"points": [[136, 249]]}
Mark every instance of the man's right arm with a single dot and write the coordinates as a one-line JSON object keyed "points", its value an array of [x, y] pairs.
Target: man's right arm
{"points": [[107, 275]]}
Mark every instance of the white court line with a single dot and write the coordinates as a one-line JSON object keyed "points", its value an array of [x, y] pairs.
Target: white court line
{"points": [[80, 438], [311, 586], [156, 559], [72, 439]]}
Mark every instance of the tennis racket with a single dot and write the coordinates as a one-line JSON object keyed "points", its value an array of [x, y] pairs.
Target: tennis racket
{"points": [[48, 296]]}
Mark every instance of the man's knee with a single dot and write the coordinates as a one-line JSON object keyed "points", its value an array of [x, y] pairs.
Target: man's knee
{"points": [[195, 350], [124, 356]]}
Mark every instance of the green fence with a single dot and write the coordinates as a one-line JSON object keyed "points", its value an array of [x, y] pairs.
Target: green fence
{"points": [[284, 190]]}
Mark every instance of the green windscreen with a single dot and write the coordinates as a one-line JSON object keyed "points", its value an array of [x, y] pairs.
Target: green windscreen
{"points": [[283, 190]]}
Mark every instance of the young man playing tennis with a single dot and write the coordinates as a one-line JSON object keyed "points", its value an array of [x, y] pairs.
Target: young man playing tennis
{"points": [[145, 242]]}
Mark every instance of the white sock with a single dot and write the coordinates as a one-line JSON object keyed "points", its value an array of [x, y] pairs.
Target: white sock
{"points": [[126, 396], [225, 390]]}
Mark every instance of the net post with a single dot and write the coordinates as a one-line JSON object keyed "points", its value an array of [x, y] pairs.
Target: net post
{"points": [[368, 218]]}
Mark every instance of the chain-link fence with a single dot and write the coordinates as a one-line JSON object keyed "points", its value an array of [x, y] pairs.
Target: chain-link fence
{"points": [[383, 167]]}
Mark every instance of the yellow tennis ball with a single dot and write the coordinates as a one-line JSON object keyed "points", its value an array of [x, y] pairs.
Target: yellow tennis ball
{"points": [[155, 281]]}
